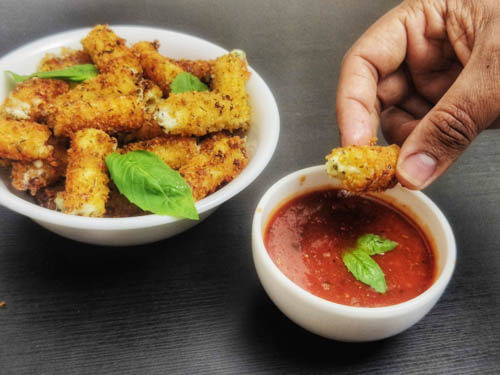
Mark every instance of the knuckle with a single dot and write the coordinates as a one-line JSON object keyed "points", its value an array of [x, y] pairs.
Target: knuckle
{"points": [[453, 127]]}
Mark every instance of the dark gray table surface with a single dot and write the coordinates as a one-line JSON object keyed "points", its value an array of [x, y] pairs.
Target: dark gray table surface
{"points": [[193, 303]]}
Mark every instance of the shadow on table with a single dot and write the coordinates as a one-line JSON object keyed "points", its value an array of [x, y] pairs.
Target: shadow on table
{"points": [[277, 334]]}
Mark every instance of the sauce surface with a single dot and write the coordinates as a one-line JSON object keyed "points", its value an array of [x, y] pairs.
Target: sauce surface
{"points": [[307, 236]]}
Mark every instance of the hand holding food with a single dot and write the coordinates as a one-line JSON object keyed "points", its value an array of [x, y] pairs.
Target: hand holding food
{"points": [[429, 72], [364, 168]]}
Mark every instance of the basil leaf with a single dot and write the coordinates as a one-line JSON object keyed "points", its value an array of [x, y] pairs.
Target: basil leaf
{"points": [[184, 82], [17, 77], [151, 184], [365, 269], [373, 244], [75, 73]]}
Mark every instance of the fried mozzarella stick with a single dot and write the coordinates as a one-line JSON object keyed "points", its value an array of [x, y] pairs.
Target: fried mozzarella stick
{"points": [[157, 67], [87, 179], [364, 168], [30, 98], [111, 114], [38, 174], [199, 68], [109, 52], [24, 140], [68, 57], [221, 159], [229, 76], [175, 151], [199, 113]]}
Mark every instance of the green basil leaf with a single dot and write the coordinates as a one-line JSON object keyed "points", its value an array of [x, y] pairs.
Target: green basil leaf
{"points": [[184, 82], [75, 73], [151, 184], [17, 77], [373, 244], [365, 269]]}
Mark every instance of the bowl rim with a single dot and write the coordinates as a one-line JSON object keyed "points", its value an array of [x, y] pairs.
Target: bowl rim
{"points": [[416, 303], [267, 148]]}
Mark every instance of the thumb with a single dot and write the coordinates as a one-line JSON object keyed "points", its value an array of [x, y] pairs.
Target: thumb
{"points": [[468, 107]]}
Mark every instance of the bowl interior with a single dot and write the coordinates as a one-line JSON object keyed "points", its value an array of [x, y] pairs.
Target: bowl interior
{"points": [[415, 204], [262, 136]]}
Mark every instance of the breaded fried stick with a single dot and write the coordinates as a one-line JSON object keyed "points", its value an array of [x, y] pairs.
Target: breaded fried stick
{"points": [[199, 113], [199, 68], [221, 159], [87, 179], [30, 99], [229, 76], [24, 140], [109, 52], [175, 151], [38, 174], [150, 94], [364, 168], [111, 114], [156, 67], [68, 57]]}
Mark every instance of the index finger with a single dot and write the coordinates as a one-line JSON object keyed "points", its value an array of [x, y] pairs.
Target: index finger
{"points": [[376, 54]]}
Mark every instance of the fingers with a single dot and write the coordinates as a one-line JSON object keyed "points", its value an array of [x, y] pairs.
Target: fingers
{"points": [[379, 52], [397, 125], [445, 132]]}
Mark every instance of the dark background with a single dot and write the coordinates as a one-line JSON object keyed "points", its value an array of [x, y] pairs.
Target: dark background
{"points": [[193, 303]]}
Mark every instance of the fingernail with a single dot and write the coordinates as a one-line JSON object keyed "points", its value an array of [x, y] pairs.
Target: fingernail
{"points": [[417, 169]]}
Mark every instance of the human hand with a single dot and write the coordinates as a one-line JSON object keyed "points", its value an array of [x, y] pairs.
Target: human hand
{"points": [[429, 72]]}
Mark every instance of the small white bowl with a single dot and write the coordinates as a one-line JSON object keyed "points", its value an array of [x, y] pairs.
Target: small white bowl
{"points": [[262, 138], [333, 320]]}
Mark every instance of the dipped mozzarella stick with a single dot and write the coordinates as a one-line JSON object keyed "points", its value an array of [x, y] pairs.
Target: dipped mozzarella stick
{"points": [[364, 168]]}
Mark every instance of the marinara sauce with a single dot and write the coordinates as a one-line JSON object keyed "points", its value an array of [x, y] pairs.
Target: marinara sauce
{"points": [[307, 236]]}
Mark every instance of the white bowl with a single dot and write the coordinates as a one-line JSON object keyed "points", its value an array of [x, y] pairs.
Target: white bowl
{"points": [[333, 320], [262, 138]]}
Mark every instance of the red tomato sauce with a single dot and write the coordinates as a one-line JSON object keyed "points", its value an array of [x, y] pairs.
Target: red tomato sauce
{"points": [[307, 236]]}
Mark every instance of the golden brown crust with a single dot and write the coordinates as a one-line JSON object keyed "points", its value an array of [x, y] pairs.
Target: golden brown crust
{"points": [[109, 52], [156, 67], [229, 76], [68, 57], [87, 179], [111, 114], [125, 99], [221, 159], [364, 168], [199, 113], [199, 68], [175, 151], [36, 175], [30, 99], [24, 140], [5, 163]]}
